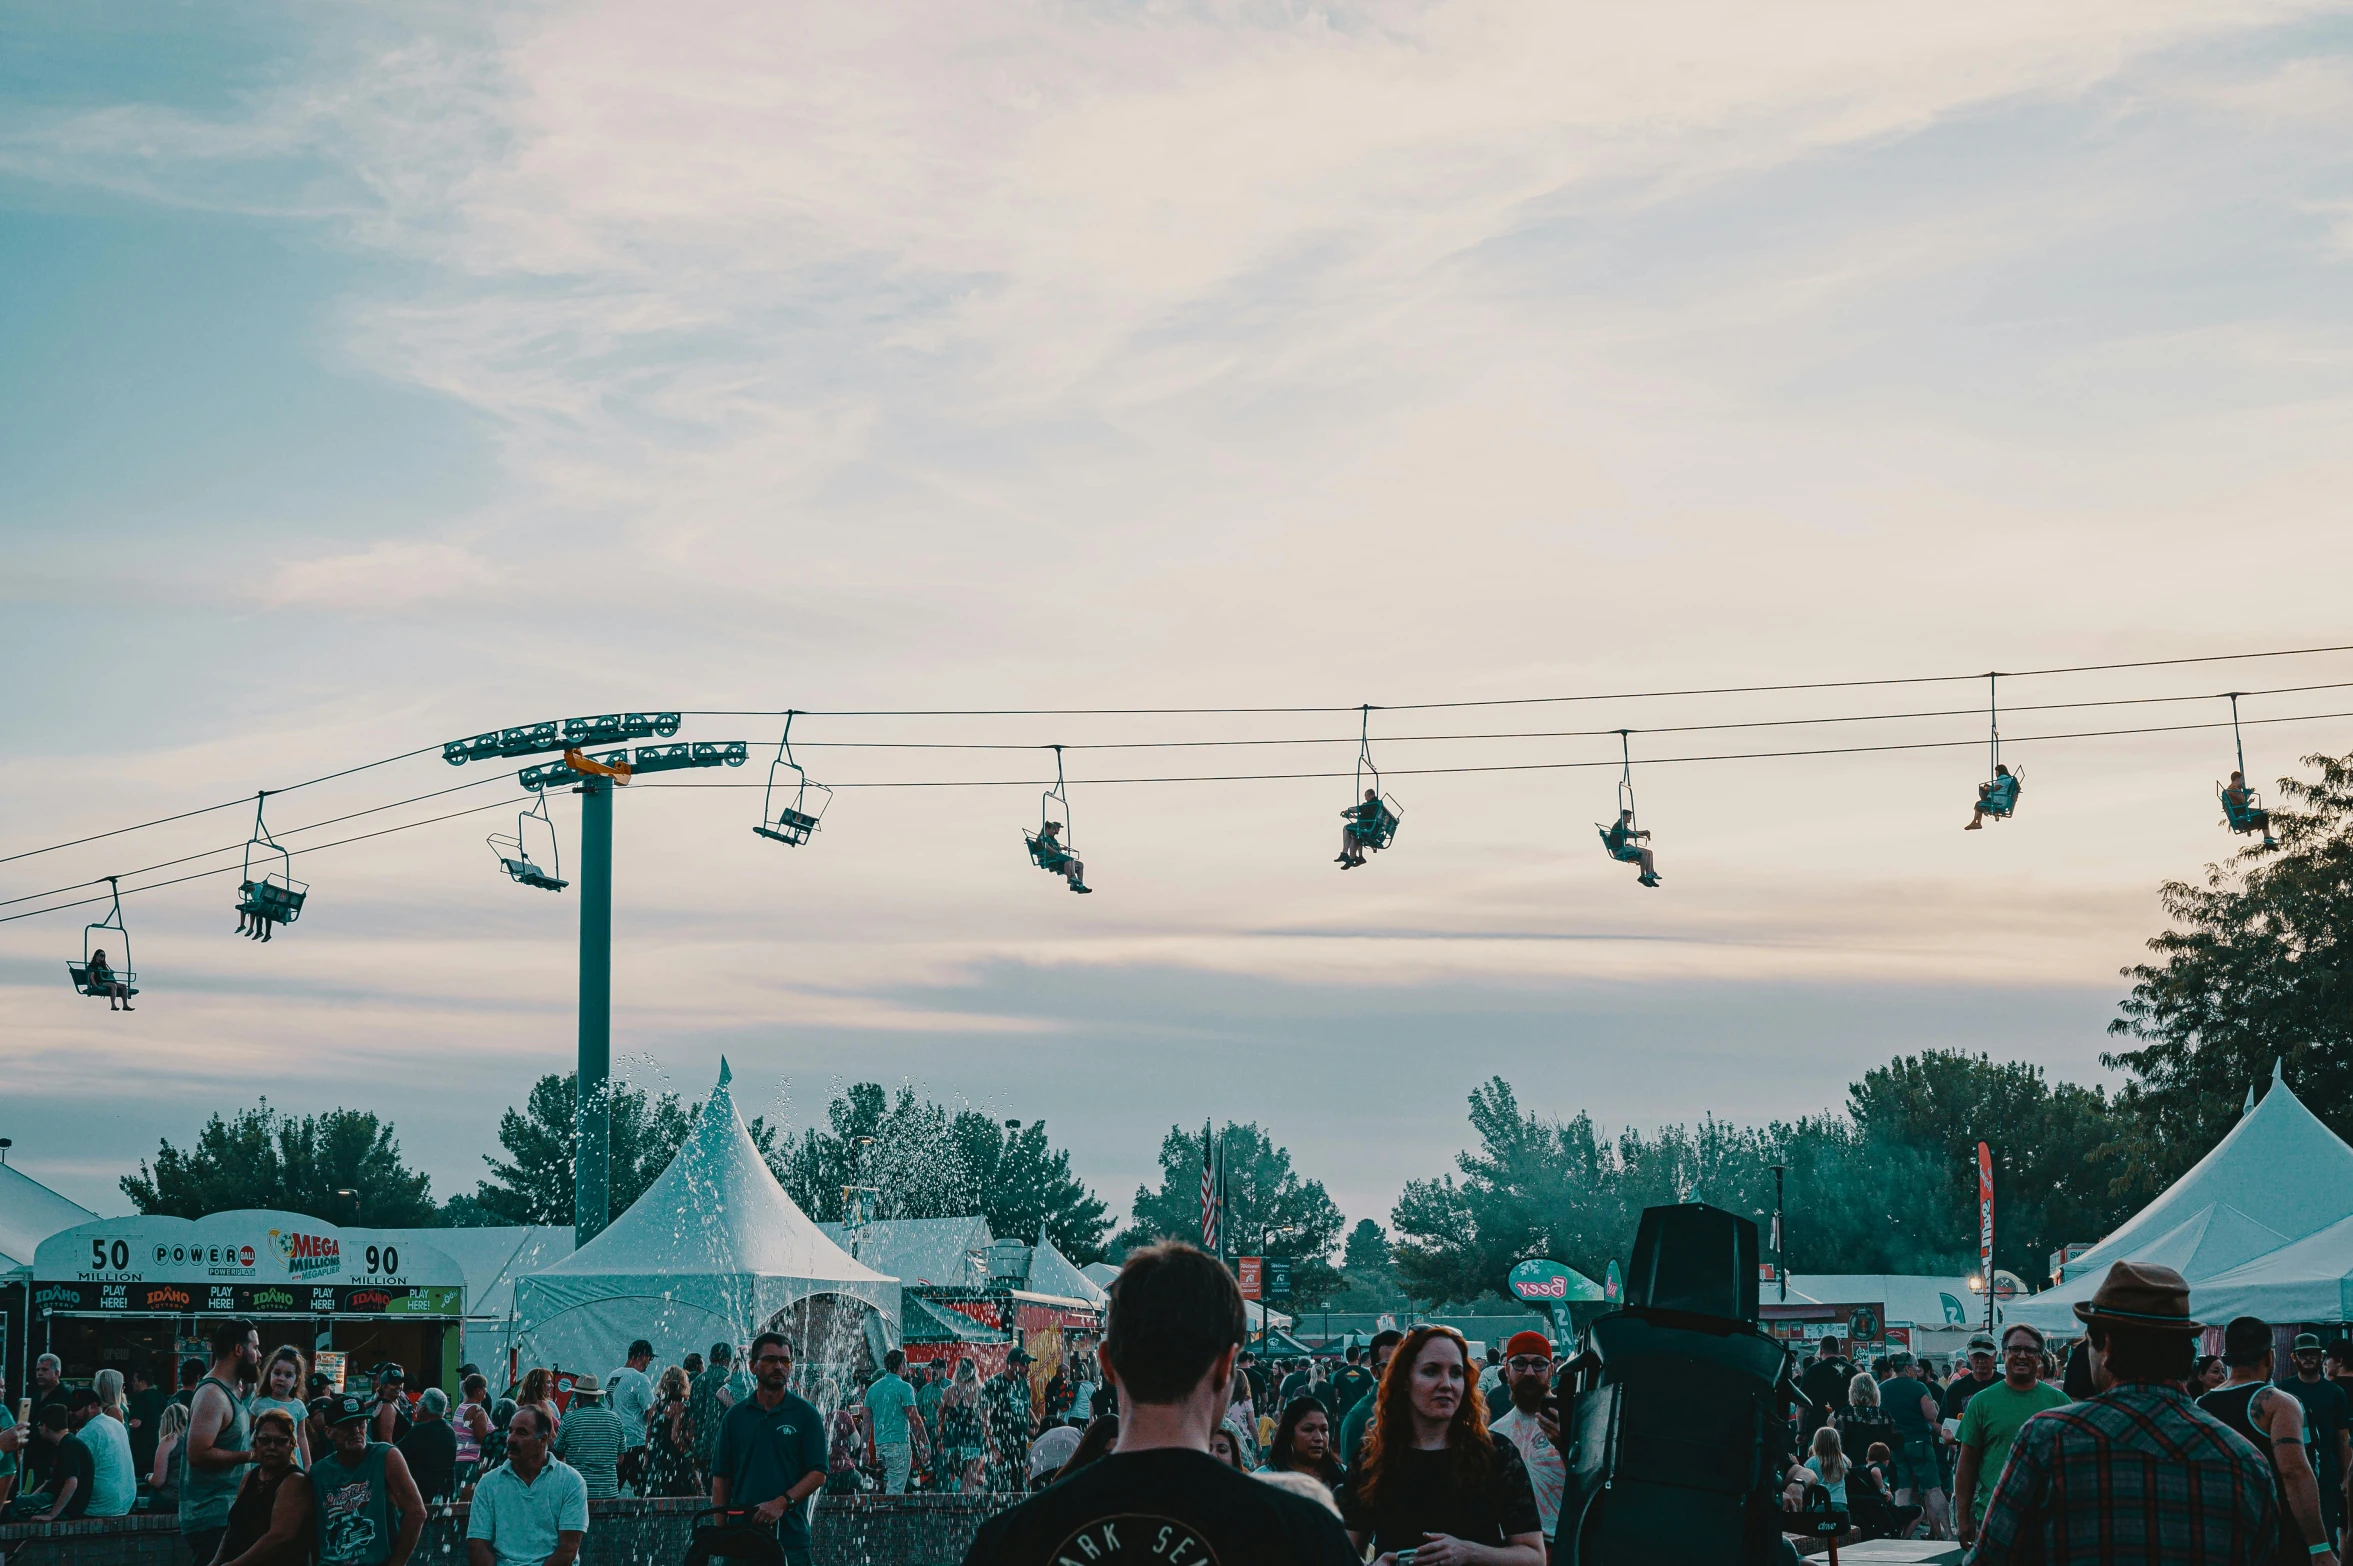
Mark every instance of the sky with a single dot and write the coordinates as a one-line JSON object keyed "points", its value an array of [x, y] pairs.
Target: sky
{"points": [[372, 376]]}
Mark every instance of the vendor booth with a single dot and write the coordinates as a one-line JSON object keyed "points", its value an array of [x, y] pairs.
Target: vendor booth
{"points": [[713, 1252], [118, 1291]]}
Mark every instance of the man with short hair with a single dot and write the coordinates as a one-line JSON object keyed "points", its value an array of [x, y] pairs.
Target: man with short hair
{"points": [[1009, 1417], [2328, 1424], [590, 1438], [928, 1393], [356, 1488], [1350, 1384], [892, 1424], [631, 1400], [1824, 1382], [431, 1447], [532, 1510], [1991, 1419], [143, 1415], [67, 1494], [1983, 1372], [220, 1435], [1360, 1418], [392, 1404], [48, 1389], [1530, 1425], [2136, 1472], [1918, 1472], [769, 1459], [2273, 1423], [1175, 1323]]}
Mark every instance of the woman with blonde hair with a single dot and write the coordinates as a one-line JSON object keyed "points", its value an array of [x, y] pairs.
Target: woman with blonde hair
{"points": [[669, 1464], [163, 1476], [1433, 1480]]}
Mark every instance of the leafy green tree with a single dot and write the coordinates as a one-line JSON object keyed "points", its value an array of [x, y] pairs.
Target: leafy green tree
{"points": [[2257, 968], [263, 1157], [1367, 1249], [916, 1160], [533, 1184], [2054, 1163], [1538, 1187], [1263, 1193]]}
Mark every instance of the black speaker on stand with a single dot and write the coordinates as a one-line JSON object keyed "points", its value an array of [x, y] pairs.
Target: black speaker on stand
{"points": [[1677, 1408]]}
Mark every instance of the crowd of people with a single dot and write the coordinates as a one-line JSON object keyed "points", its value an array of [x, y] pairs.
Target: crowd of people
{"points": [[1411, 1448]]}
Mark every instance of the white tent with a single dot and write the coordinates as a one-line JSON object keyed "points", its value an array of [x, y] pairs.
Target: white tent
{"points": [[2254, 1226], [29, 1213], [714, 1251], [493, 1259]]}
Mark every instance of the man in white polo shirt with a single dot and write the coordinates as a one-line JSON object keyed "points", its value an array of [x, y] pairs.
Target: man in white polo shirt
{"points": [[533, 1510]]}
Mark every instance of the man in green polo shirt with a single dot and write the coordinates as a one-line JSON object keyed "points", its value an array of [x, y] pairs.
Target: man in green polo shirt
{"points": [[1992, 1419], [769, 1459]]}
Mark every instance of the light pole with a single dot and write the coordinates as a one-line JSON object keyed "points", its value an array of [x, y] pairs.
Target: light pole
{"points": [[1780, 1250]]}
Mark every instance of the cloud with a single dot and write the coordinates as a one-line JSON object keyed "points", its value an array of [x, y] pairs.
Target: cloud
{"points": [[389, 576]]}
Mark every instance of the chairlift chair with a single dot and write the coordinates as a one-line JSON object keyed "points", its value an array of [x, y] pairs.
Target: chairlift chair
{"points": [[1048, 852], [2248, 814], [1371, 823], [1622, 838], [275, 896], [2000, 797], [515, 858], [95, 979], [791, 824]]}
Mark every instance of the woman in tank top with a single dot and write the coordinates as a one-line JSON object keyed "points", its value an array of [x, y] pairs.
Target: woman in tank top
{"points": [[470, 1424], [281, 1389], [270, 1521]]}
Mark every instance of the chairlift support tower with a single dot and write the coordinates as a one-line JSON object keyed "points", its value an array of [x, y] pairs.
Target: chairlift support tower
{"points": [[594, 779]]}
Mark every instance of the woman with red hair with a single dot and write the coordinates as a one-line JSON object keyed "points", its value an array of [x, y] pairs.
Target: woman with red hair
{"points": [[1433, 1480]]}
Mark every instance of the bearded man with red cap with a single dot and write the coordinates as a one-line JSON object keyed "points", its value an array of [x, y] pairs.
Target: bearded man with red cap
{"points": [[1531, 1426]]}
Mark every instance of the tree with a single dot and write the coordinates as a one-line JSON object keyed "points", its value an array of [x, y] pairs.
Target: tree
{"points": [[1367, 1250], [915, 1160], [2051, 1144], [1263, 1192], [2258, 968], [262, 1157], [1559, 1189], [534, 1184]]}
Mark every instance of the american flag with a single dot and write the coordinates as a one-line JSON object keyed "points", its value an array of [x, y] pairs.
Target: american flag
{"points": [[1209, 1193]]}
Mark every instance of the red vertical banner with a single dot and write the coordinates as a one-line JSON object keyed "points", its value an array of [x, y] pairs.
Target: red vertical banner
{"points": [[1985, 1226], [1247, 1271]]}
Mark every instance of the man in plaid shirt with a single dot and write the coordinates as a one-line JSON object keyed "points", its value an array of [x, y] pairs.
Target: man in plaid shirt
{"points": [[2136, 1473]]}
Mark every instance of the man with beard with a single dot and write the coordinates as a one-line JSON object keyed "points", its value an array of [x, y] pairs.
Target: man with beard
{"points": [[1530, 1425]]}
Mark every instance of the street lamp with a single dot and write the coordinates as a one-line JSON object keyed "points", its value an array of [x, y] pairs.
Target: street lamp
{"points": [[347, 1194]]}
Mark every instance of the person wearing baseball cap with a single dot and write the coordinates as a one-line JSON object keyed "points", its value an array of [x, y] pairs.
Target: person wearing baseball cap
{"points": [[2274, 1422], [1533, 1424], [357, 1487], [2328, 1424], [2136, 1472]]}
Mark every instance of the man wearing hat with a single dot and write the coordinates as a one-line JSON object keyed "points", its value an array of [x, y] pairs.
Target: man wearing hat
{"points": [[2328, 1424], [1991, 1420], [1984, 1370], [358, 1487], [2136, 1474], [1011, 1417], [392, 1404], [1532, 1427], [2274, 1423], [591, 1438]]}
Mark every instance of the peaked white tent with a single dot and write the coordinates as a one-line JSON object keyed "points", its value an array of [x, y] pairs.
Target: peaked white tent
{"points": [[714, 1251], [29, 1213], [2255, 1226]]}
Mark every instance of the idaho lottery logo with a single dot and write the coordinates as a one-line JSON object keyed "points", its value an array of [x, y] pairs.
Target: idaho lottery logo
{"points": [[305, 1254]]}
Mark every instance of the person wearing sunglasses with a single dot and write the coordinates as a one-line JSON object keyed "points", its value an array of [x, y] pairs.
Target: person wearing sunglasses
{"points": [[1991, 1420]]}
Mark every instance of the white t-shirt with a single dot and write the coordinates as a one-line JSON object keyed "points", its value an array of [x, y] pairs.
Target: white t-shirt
{"points": [[114, 1479], [1548, 1472], [630, 1394]]}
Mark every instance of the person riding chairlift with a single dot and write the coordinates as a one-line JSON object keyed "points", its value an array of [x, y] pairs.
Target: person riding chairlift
{"points": [[2237, 800], [104, 982], [1365, 818], [1050, 841], [1618, 837], [1985, 794], [251, 922]]}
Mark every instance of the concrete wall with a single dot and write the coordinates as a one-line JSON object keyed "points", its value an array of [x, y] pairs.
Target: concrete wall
{"points": [[859, 1530]]}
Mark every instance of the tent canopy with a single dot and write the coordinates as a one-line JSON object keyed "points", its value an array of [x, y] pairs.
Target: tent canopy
{"points": [[714, 1251], [29, 1213], [945, 1252], [2263, 1210]]}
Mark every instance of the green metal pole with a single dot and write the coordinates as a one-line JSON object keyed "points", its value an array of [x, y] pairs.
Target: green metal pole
{"points": [[591, 1184]]}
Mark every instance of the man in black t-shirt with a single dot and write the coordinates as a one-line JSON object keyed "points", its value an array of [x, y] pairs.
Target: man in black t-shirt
{"points": [[1983, 1373], [1175, 1325], [1824, 1382]]}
